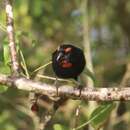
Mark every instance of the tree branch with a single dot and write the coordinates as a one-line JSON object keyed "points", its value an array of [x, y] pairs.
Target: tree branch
{"points": [[87, 94], [10, 33], [86, 41]]}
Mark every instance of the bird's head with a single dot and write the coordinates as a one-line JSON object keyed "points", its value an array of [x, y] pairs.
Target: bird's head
{"points": [[64, 55], [68, 61]]}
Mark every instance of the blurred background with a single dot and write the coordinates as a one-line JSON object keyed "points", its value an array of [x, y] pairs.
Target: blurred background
{"points": [[42, 25]]}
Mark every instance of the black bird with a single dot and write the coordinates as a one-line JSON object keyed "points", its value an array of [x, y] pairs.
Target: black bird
{"points": [[68, 61]]}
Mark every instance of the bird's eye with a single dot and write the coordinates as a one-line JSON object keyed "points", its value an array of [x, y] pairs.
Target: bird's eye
{"points": [[67, 49]]}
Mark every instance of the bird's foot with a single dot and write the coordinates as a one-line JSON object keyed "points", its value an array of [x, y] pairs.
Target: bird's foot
{"points": [[55, 98], [80, 87]]}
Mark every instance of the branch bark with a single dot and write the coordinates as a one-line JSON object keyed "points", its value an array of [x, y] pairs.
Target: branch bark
{"points": [[10, 32], [87, 94]]}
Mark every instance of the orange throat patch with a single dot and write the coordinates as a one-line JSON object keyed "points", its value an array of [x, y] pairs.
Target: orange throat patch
{"points": [[66, 64]]}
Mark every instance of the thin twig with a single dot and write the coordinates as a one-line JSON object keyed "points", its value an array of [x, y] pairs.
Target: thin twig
{"points": [[58, 79], [10, 33], [2, 27], [42, 67], [24, 65]]}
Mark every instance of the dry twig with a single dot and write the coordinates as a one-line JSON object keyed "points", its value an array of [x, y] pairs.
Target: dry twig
{"points": [[10, 33]]}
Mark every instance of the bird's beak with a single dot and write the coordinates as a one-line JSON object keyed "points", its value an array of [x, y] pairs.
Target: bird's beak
{"points": [[59, 56]]}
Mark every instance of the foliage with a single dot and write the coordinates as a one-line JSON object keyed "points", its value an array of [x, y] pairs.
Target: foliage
{"points": [[101, 114]]}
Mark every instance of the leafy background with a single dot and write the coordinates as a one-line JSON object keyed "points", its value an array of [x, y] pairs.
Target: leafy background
{"points": [[40, 27]]}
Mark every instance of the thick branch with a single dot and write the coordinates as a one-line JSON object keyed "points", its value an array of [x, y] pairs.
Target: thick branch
{"points": [[10, 33], [87, 94]]}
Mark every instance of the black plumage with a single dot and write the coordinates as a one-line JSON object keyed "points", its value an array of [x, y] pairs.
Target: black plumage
{"points": [[68, 61]]}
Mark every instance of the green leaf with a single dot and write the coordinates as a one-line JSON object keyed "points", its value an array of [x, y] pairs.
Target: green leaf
{"points": [[5, 69], [100, 114], [3, 88], [6, 53], [57, 127]]}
